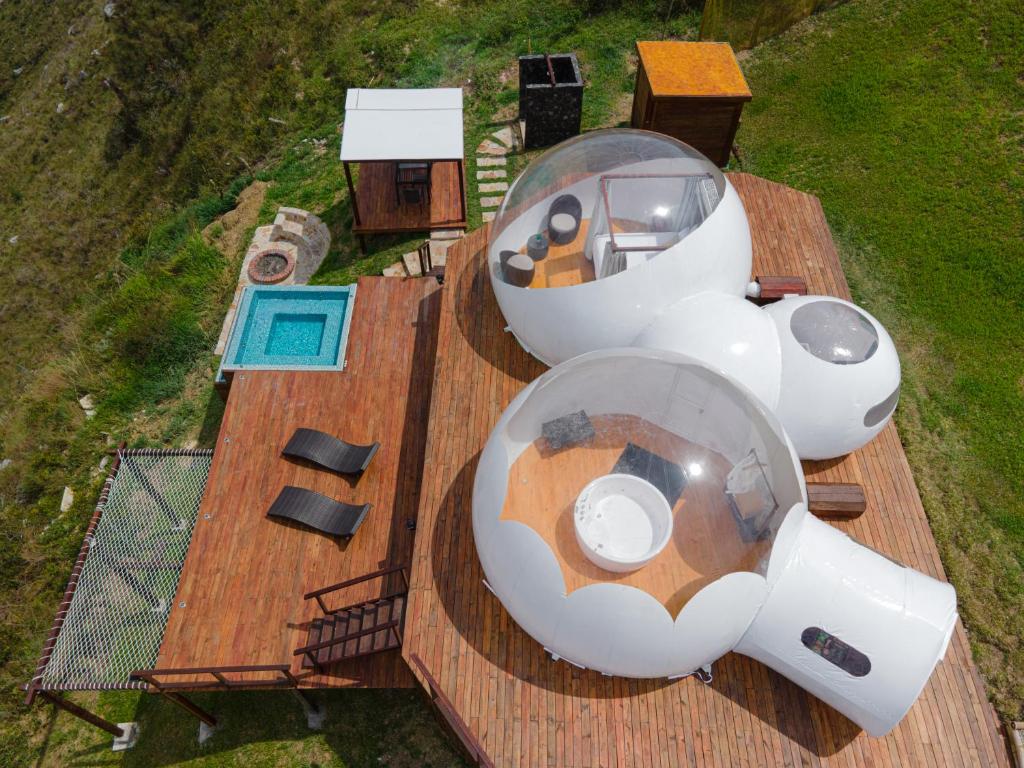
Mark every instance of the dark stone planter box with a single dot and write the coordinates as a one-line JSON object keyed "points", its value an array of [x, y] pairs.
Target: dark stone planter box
{"points": [[550, 98]]}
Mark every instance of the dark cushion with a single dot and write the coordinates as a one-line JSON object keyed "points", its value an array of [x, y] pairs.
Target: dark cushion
{"points": [[571, 429], [519, 270], [667, 476]]}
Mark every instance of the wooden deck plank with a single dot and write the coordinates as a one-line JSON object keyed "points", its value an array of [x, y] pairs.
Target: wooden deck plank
{"points": [[750, 715], [244, 577], [380, 210]]}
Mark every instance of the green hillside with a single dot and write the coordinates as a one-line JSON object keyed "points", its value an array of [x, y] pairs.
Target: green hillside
{"points": [[124, 137]]}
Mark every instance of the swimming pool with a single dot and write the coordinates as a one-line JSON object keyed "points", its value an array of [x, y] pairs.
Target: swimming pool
{"points": [[290, 328]]}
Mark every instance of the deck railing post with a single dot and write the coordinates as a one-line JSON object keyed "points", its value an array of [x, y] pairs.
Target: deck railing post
{"points": [[352, 194], [306, 700], [83, 714], [462, 190], [423, 252]]}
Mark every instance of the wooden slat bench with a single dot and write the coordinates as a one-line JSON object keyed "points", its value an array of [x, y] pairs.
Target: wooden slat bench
{"points": [[836, 500], [775, 287]]}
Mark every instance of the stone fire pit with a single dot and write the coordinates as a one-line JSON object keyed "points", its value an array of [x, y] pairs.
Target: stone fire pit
{"points": [[286, 252], [270, 266]]}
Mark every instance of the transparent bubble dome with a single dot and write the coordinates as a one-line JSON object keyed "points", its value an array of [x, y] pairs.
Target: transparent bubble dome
{"points": [[613, 191]]}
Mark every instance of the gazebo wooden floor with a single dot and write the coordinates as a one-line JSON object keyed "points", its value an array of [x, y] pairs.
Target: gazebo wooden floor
{"points": [[529, 711], [380, 212], [244, 577]]}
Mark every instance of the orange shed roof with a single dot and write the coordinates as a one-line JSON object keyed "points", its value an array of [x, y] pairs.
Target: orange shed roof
{"points": [[676, 68]]}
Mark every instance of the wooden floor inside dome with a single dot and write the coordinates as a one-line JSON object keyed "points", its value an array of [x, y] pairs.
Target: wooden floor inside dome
{"points": [[527, 710], [705, 544]]}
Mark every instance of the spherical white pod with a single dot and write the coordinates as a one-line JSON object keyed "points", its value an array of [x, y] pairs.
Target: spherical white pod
{"points": [[631, 221], [711, 447], [840, 375], [727, 332], [757, 573]]}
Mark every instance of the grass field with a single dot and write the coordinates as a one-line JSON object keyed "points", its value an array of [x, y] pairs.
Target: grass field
{"points": [[258, 729], [905, 118], [140, 178]]}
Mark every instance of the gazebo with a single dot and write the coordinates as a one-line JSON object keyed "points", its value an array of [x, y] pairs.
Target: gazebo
{"points": [[408, 144]]}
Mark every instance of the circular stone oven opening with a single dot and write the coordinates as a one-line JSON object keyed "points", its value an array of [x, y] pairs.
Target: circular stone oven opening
{"points": [[271, 267]]}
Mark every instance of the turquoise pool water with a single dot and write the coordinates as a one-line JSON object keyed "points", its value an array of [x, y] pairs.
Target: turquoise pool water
{"points": [[290, 328]]}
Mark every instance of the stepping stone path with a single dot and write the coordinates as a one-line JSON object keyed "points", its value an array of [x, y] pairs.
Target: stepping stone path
{"points": [[492, 183], [491, 157], [440, 241]]}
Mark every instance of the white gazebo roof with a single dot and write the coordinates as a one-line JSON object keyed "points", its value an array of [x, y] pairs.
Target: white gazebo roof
{"points": [[402, 124]]}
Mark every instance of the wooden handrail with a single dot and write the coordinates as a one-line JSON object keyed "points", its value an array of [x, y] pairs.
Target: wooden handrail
{"points": [[468, 741], [350, 606], [319, 593], [357, 580], [220, 681], [345, 638], [201, 670]]}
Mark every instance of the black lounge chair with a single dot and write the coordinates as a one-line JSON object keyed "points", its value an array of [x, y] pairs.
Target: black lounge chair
{"points": [[316, 511], [330, 452]]}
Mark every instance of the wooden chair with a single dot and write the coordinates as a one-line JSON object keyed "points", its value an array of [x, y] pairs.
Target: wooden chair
{"points": [[412, 182]]}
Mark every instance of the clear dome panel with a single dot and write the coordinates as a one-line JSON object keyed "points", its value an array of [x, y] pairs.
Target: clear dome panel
{"points": [[598, 204], [647, 471], [834, 332]]}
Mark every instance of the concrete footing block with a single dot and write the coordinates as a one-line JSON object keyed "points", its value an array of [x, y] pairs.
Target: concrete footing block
{"points": [[131, 735], [205, 732]]}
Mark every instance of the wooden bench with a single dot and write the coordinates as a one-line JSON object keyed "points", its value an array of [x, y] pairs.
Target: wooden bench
{"points": [[844, 501], [775, 287]]}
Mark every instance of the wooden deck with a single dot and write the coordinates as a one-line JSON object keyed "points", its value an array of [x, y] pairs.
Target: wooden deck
{"points": [[529, 711], [565, 264], [380, 212], [245, 575]]}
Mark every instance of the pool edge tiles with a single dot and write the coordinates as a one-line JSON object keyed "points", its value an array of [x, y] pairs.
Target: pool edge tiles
{"points": [[251, 326]]}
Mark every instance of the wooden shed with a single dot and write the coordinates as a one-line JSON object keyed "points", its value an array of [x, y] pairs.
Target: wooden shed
{"points": [[692, 91]]}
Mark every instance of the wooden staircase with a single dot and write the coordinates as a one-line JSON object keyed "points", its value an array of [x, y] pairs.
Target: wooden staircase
{"points": [[359, 629]]}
